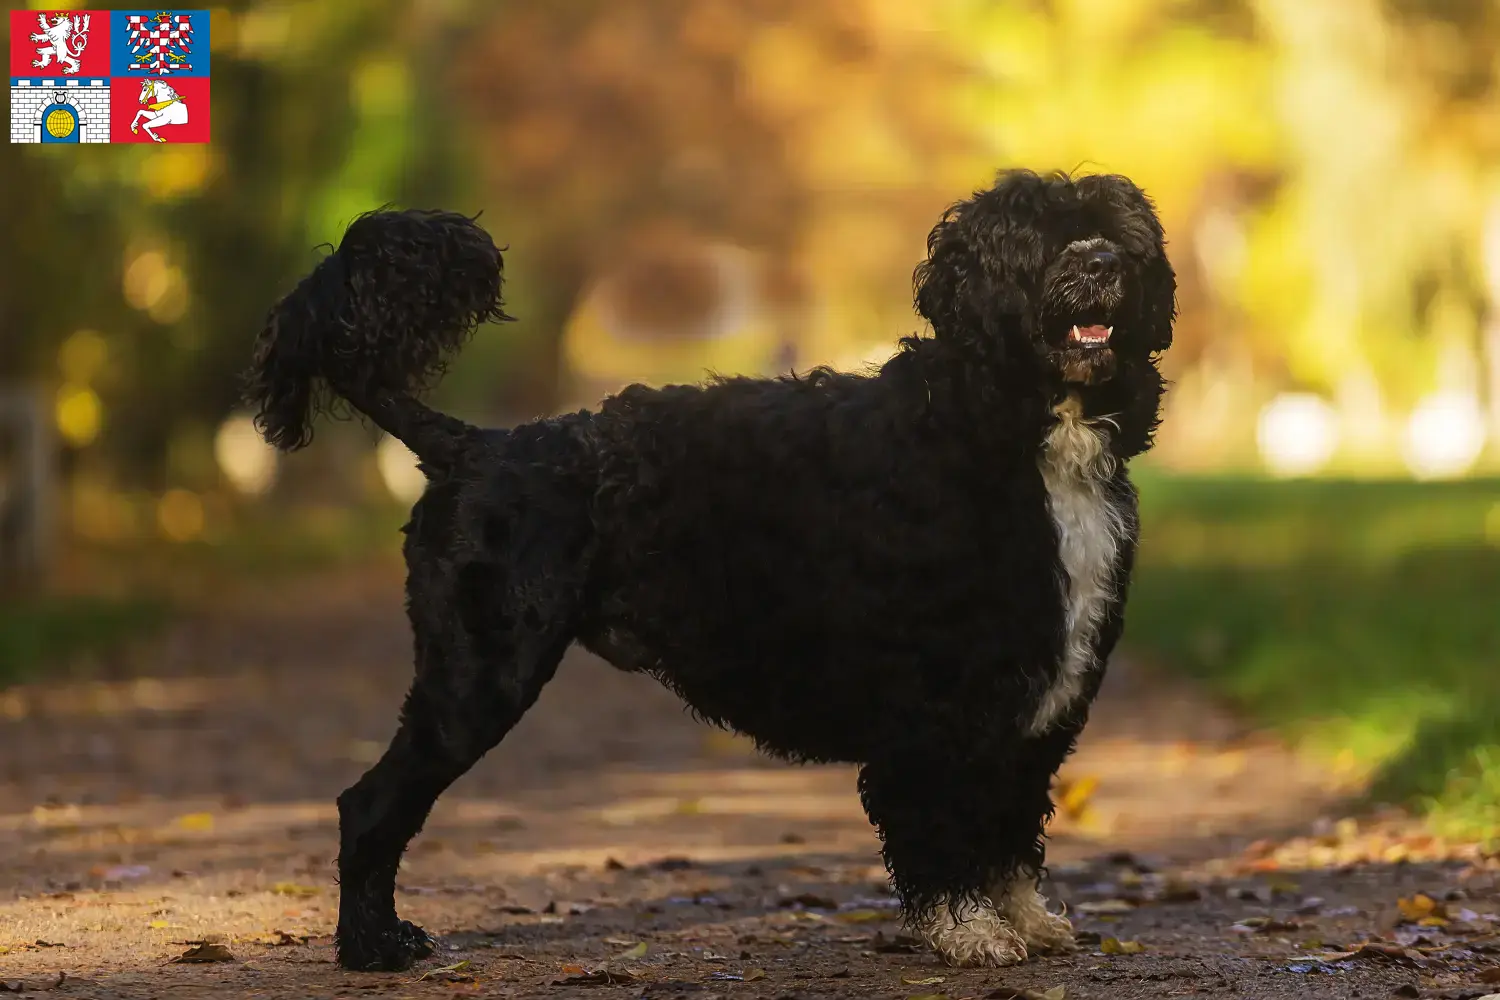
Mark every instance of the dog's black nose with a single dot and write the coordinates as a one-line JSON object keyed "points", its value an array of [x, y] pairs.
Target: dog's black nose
{"points": [[1101, 263]]}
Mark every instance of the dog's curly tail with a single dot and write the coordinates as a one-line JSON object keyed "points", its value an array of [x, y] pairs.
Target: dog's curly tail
{"points": [[373, 324]]}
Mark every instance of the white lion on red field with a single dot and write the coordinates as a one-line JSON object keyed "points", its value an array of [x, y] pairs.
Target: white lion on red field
{"points": [[68, 37]]}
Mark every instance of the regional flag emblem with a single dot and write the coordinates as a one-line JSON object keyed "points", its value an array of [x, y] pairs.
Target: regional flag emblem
{"points": [[59, 76], [109, 76]]}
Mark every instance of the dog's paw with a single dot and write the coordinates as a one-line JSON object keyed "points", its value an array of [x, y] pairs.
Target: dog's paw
{"points": [[391, 950], [974, 937], [1041, 929]]}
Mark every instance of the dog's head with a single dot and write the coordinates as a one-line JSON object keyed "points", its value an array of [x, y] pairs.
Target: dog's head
{"points": [[1069, 273]]}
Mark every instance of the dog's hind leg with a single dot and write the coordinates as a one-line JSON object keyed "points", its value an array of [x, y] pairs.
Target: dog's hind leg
{"points": [[479, 668], [962, 831]]}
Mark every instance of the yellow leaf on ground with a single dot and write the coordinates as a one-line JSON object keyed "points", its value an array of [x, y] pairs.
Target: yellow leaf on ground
{"points": [[157, 925], [1073, 796], [929, 981], [1114, 946], [197, 822], [295, 889], [1105, 906], [1419, 907], [862, 916], [205, 952], [639, 951], [751, 975], [455, 967]]}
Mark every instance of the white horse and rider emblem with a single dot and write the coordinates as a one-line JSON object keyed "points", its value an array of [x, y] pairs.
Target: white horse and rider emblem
{"points": [[163, 106]]}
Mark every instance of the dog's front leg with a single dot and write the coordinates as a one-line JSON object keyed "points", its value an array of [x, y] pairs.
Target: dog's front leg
{"points": [[962, 827]]}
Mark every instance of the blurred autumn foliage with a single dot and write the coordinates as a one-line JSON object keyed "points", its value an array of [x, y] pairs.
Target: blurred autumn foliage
{"points": [[1327, 171]]}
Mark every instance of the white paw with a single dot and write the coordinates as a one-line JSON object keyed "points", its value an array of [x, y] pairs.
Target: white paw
{"points": [[969, 936], [1026, 910]]}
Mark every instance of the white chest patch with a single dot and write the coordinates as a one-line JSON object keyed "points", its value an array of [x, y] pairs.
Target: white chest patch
{"points": [[1076, 465]]}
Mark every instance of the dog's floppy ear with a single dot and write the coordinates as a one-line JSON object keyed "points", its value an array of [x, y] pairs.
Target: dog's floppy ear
{"points": [[962, 289], [1159, 282], [940, 283]]}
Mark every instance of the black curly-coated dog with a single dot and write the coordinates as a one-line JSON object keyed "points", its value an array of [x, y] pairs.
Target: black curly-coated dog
{"points": [[921, 570]]}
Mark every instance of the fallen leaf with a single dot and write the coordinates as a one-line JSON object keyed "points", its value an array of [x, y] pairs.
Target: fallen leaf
{"points": [[862, 916], [455, 967], [1420, 907], [294, 889], [1073, 796], [1114, 946], [1106, 906], [751, 975], [1265, 925], [639, 951], [198, 822], [929, 981], [283, 939], [157, 925], [1373, 951], [599, 977], [204, 952]]}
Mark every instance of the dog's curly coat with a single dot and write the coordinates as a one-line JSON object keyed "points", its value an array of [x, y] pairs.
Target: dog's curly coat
{"points": [[920, 570]]}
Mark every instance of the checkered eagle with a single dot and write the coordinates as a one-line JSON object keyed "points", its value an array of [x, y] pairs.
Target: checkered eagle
{"points": [[160, 43]]}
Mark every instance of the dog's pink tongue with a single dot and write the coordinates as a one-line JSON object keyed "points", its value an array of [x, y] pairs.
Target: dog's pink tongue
{"points": [[1089, 334]]}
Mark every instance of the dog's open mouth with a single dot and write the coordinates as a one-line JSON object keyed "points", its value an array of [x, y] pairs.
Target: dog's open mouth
{"points": [[1091, 336]]}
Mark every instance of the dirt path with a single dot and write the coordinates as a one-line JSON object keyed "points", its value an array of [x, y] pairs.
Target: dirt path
{"points": [[190, 800]]}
